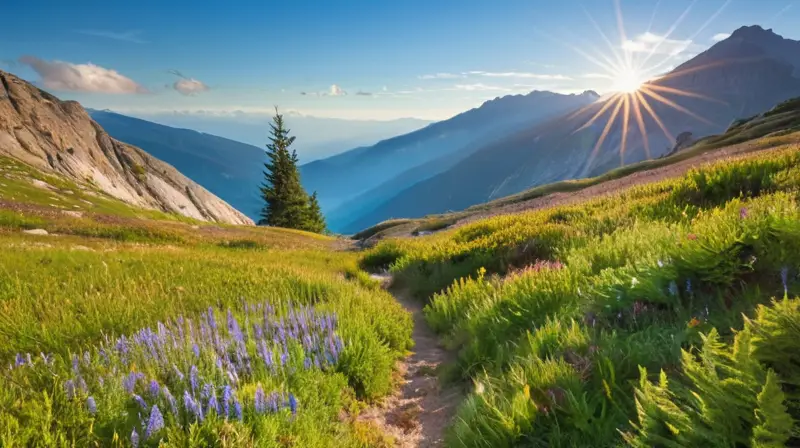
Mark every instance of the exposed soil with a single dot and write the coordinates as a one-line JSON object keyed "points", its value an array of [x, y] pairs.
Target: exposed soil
{"points": [[418, 413], [616, 185]]}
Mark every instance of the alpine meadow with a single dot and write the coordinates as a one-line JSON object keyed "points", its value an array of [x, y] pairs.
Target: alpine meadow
{"points": [[484, 225]]}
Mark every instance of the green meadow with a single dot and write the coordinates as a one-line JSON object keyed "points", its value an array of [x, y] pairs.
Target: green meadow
{"points": [[664, 315]]}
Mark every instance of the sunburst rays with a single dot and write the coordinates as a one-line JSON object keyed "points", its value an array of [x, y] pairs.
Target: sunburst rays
{"points": [[637, 87]]}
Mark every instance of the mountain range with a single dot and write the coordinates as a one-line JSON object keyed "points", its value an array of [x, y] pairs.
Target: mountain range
{"points": [[60, 137], [317, 137], [352, 183], [743, 75]]}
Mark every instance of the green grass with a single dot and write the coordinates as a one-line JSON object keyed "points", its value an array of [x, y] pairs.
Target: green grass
{"points": [[562, 318], [115, 270]]}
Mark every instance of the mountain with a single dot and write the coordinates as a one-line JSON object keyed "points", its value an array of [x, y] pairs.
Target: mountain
{"points": [[60, 136], [404, 160], [229, 169], [317, 137], [741, 76]]}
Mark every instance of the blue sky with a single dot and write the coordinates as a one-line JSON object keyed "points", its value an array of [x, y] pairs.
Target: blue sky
{"points": [[354, 59]]}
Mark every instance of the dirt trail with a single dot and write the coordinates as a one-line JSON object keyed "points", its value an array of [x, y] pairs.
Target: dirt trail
{"points": [[418, 413]]}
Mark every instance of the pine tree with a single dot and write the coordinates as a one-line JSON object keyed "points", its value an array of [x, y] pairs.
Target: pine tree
{"points": [[315, 221], [286, 202]]}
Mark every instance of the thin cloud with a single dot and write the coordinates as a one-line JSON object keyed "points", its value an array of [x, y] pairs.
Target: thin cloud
{"points": [[65, 76], [720, 36], [126, 36], [653, 43], [442, 76], [596, 76], [480, 87], [362, 93], [520, 75], [188, 86], [334, 90]]}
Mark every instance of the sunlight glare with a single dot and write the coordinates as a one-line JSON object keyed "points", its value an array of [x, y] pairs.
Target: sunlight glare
{"points": [[628, 81]]}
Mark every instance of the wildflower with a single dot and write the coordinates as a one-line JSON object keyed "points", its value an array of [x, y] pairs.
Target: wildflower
{"points": [[526, 391], [20, 360], [69, 388], [134, 438], [694, 322], [192, 406], [91, 405], [178, 372], [140, 401], [634, 281], [743, 213], [156, 422], [660, 263], [196, 350], [212, 400], [237, 409], [293, 404], [193, 378], [785, 279], [81, 384], [691, 236], [75, 364], [226, 400], [87, 358], [260, 400], [129, 383], [154, 388]]}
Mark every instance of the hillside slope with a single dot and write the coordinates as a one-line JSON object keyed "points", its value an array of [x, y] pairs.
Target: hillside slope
{"points": [[229, 169], [59, 136], [344, 177], [741, 76]]}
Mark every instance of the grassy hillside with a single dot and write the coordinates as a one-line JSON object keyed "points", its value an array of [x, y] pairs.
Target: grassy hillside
{"points": [[662, 315], [125, 324]]}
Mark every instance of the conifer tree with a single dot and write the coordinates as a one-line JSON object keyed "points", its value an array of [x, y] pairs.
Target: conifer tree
{"points": [[315, 221], [286, 202]]}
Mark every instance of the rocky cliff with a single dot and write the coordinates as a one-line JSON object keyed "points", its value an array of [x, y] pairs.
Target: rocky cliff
{"points": [[59, 136]]}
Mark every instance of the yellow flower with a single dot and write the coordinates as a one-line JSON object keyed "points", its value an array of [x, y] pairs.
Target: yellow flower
{"points": [[527, 391], [694, 322]]}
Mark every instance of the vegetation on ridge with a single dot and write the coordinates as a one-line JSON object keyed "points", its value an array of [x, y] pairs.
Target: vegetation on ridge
{"points": [[645, 317]]}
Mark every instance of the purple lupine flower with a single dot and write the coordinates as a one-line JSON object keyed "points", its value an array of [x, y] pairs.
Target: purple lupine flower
{"points": [[45, 359], [75, 364], [101, 381], [307, 363], [211, 321], [154, 388], [292, 404], [237, 409], [140, 401], [785, 279], [129, 383], [196, 350], [69, 388], [227, 395], [29, 359], [81, 385], [173, 404], [192, 406], [193, 378], [233, 327], [213, 404], [20, 360], [134, 438], [91, 405], [155, 423], [272, 402], [743, 213], [260, 400], [284, 357]]}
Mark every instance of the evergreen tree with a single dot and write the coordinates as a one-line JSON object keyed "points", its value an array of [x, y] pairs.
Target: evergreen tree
{"points": [[315, 221], [286, 202]]}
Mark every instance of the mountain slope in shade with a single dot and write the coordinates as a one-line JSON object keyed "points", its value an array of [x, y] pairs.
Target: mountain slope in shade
{"points": [[229, 169], [317, 137], [344, 177], [59, 136], [746, 74]]}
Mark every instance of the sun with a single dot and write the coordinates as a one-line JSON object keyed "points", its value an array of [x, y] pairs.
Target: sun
{"points": [[628, 81]]}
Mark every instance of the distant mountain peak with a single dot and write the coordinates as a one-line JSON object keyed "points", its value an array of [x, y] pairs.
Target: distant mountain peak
{"points": [[591, 93], [754, 33]]}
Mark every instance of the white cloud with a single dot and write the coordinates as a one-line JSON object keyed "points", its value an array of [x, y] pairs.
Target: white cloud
{"points": [[441, 76], [363, 93], [188, 86], [720, 36], [335, 90], [649, 42], [597, 76], [479, 87], [521, 75], [65, 76], [127, 36]]}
